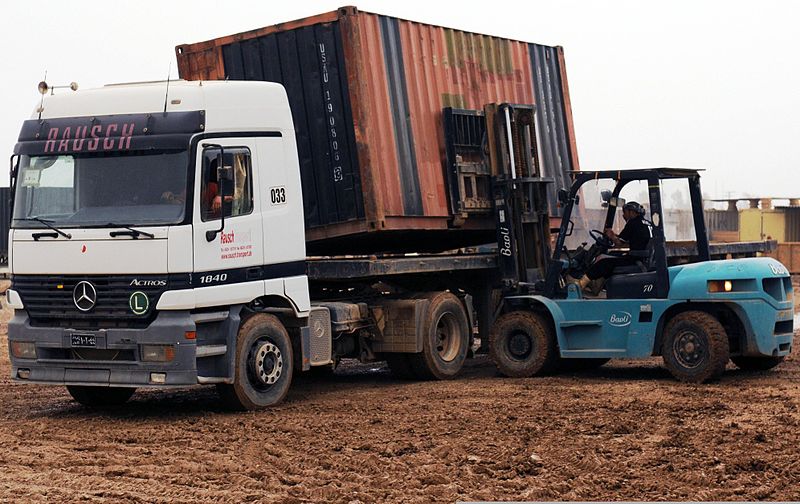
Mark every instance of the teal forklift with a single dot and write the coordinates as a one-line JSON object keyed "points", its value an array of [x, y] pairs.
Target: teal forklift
{"points": [[697, 316]]}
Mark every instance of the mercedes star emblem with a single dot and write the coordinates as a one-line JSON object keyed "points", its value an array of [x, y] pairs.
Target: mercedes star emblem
{"points": [[84, 295]]}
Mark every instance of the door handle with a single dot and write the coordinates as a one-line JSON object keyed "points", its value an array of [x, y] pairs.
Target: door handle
{"points": [[253, 273]]}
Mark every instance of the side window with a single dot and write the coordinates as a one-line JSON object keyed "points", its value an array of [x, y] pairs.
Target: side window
{"points": [[238, 193]]}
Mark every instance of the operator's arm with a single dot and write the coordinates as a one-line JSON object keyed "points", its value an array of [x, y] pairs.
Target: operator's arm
{"points": [[619, 240]]}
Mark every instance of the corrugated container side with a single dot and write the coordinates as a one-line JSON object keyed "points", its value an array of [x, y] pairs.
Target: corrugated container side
{"points": [[384, 82]]}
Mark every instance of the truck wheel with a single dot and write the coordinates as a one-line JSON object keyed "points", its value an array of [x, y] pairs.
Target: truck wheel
{"points": [[522, 344], [263, 364], [695, 347], [756, 363], [445, 339], [100, 396]]}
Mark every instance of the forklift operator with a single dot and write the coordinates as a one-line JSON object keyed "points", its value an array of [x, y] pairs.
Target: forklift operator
{"points": [[636, 235]]}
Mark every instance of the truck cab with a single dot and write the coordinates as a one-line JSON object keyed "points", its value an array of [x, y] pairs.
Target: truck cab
{"points": [[146, 217]]}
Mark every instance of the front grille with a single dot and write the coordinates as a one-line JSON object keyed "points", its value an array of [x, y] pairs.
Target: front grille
{"points": [[784, 327], [49, 300]]}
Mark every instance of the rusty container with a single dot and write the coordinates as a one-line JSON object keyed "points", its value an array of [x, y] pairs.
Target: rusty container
{"points": [[388, 122]]}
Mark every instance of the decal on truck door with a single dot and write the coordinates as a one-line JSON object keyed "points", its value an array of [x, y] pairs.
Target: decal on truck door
{"points": [[277, 195]]}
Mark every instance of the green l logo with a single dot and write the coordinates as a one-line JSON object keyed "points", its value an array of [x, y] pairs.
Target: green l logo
{"points": [[139, 303]]}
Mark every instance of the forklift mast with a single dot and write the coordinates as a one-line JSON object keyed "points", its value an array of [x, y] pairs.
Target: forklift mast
{"points": [[520, 197]]}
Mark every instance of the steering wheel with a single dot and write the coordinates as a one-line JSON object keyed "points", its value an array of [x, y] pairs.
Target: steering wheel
{"points": [[601, 239]]}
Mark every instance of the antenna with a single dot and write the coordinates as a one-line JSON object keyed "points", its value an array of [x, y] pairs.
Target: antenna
{"points": [[166, 96]]}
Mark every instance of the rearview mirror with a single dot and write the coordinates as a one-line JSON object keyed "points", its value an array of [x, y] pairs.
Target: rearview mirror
{"points": [[563, 196], [605, 195]]}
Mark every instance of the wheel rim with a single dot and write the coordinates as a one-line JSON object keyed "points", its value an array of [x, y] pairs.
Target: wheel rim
{"points": [[689, 349], [520, 345], [264, 364], [447, 337]]}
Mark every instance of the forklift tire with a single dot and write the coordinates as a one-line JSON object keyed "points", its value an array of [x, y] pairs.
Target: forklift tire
{"points": [[445, 339], [756, 363], [695, 348], [100, 396], [263, 365], [522, 344]]}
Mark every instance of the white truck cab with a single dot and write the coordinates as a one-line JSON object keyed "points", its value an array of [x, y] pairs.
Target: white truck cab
{"points": [[118, 249]]}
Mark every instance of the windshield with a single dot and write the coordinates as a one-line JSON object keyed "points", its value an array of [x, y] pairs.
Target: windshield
{"points": [[590, 213], [131, 188]]}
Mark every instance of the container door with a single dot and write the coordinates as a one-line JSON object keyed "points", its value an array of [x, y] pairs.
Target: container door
{"points": [[234, 254]]}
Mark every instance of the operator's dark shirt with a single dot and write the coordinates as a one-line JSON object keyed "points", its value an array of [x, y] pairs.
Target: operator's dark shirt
{"points": [[636, 233]]}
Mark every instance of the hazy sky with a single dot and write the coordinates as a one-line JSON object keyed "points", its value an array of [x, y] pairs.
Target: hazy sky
{"points": [[705, 84]]}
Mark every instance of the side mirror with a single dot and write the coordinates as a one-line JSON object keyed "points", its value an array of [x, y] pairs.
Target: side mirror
{"points": [[605, 195], [563, 196], [225, 173]]}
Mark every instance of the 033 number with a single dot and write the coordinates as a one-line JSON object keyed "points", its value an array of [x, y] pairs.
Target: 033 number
{"points": [[277, 195]]}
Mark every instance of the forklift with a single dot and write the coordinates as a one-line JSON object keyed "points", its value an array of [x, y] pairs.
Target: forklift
{"points": [[697, 316]]}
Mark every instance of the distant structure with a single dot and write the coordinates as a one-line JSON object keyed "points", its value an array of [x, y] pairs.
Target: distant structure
{"points": [[760, 218]]}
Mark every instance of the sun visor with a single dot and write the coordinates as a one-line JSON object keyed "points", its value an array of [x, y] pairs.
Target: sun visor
{"points": [[111, 133]]}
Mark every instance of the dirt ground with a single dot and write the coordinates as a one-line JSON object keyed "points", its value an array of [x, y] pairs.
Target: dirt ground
{"points": [[626, 431]]}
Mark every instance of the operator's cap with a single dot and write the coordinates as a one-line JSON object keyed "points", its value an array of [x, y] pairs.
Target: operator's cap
{"points": [[636, 207]]}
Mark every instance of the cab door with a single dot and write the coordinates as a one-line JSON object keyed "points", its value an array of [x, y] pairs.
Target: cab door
{"points": [[233, 255]]}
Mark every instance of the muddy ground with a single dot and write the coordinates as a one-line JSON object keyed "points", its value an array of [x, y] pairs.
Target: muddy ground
{"points": [[626, 431]]}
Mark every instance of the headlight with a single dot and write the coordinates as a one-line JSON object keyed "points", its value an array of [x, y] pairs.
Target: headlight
{"points": [[720, 286], [23, 349], [158, 353]]}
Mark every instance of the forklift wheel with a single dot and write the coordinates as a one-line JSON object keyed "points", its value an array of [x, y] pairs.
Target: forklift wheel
{"points": [[695, 347], [522, 344], [756, 363]]}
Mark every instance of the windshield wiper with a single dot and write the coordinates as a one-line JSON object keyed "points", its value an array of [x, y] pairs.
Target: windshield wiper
{"points": [[47, 223], [133, 233]]}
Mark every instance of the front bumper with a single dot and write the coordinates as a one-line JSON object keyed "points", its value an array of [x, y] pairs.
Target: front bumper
{"points": [[116, 359]]}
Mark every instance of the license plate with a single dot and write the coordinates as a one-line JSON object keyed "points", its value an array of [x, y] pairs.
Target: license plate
{"points": [[84, 340]]}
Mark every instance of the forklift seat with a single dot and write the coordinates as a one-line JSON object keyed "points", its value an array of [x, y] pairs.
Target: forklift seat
{"points": [[645, 262]]}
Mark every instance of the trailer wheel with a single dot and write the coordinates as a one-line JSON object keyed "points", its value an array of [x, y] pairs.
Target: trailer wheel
{"points": [[263, 364], [445, 339], [522, 344], [756, 363], [100, 396], [695, 347]]}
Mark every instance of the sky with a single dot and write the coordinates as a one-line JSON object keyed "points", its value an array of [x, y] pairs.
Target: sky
{"points": [[701, 84]]}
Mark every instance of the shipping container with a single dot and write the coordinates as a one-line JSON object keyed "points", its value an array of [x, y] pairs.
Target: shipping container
{"points": [[389, 124]]}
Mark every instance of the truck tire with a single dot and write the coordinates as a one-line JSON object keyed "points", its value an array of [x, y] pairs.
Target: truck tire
{"points": [[100, 396], [522, 344], [263, 365], [695, 347], [756, 363], [445, 340]]}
